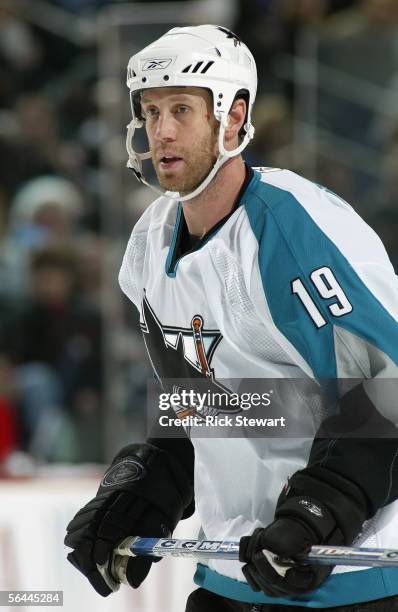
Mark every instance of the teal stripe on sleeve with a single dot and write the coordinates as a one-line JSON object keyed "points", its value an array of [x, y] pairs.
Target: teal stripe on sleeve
{"points": [[292, 246]]}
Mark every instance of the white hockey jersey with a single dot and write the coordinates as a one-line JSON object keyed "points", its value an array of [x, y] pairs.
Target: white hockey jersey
{"points": [[293, 284]]}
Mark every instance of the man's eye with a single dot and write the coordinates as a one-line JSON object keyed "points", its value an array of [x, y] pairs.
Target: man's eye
{"points": [[182, 109], [151, 112]]}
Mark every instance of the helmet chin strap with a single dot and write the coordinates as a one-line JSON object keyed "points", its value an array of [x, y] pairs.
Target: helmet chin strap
{"points": [[135, 159]]}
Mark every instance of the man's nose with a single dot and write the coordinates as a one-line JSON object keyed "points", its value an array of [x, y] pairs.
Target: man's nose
{"points": [[166, 128]]}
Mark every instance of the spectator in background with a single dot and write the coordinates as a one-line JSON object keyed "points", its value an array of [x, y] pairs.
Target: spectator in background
{"points": [[273, 119], [93, 251], [9, 434], [20, 54], [55, 342], [33, 143], [45, 211]]}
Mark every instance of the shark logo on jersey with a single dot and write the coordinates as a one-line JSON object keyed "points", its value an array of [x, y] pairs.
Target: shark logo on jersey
{"points": [[181, 357]]}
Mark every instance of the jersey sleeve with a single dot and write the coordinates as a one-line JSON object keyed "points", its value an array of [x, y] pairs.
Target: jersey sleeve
{"points": [[130, 275], [131, 271], [326, 278], [332, 292]]}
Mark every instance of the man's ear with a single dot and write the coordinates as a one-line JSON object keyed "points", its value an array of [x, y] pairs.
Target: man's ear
{"points": [[236, 119]]}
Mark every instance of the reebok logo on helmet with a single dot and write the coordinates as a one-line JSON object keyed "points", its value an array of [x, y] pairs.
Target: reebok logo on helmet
{"points": [[156, 64]]}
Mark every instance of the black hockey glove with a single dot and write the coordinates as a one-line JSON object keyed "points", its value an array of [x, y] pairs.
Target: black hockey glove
{"points": [[143, 493], [317, 507]]}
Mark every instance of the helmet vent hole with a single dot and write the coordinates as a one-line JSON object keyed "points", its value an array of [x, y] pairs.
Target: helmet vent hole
{"points": [[205, 69], [197, 66]]}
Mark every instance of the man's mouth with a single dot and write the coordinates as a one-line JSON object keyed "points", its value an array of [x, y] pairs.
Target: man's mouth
{"points": [[168, 162]]}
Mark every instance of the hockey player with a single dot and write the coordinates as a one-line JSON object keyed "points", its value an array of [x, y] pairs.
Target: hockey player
{"points": [[265, 275]]}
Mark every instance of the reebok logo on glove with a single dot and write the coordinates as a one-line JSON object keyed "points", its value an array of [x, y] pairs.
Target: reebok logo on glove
{"points": [[316, 510]]}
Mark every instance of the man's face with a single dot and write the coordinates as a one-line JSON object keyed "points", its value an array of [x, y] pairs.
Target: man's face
{"points": [[182, 133]]}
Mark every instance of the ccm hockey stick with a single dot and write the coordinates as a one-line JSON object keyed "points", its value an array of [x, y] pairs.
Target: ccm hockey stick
{"points": [[229, 549]]}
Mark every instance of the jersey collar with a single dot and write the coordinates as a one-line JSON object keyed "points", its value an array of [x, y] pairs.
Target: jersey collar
{"points": [[182, 243]]}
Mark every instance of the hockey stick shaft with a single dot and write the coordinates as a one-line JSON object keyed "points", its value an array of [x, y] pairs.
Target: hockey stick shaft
{"points": [[229, 549]]}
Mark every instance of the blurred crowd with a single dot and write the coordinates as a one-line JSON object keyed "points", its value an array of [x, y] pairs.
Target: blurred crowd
{"points": [[331, 116]]}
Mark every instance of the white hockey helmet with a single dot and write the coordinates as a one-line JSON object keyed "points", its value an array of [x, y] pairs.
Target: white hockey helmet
{"points": [[205, 56]]}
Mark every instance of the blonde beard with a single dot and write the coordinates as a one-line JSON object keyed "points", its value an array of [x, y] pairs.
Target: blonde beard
{"points": [[185, 185], [198, 164]]}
